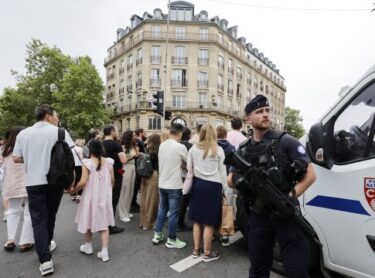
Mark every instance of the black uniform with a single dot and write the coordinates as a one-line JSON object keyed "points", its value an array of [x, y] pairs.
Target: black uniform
{"points": [[263, 226]]}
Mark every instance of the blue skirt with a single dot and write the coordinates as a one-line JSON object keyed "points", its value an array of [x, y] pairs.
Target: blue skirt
{"points": [[205, 202]]}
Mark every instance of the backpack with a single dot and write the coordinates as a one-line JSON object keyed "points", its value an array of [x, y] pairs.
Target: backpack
{"points": [[143, 166], [61, 169]]}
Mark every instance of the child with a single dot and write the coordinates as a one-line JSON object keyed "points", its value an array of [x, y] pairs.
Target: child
{"points": [[95, 211]]}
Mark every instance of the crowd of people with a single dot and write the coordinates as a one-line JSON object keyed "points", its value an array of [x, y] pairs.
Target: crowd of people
{"points": [[186, 173], [106, 183]]}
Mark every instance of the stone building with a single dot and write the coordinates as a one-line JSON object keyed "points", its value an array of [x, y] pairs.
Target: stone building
{"points": [[208, 72]]}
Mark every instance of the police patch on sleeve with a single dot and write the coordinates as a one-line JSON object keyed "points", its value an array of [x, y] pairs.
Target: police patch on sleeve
{"points": [[301, 149]]}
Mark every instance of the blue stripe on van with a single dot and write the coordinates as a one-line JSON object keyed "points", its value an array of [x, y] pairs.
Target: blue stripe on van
{"points": [[346, 205]]}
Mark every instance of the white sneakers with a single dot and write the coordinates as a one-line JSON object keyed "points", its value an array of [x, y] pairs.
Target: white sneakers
{"points": [[103, 256], [46, 268], [125, 219], [52, 246], [86, 249]]}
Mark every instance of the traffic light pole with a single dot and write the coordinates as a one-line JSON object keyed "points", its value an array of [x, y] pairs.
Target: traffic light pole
{"points": [[165, 68]]}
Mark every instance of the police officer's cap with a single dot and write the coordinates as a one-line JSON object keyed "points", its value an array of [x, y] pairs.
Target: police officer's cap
{"points": [[257, 102]]}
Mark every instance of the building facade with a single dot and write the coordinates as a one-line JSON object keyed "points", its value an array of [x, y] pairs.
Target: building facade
{"points": [[207, 73]]}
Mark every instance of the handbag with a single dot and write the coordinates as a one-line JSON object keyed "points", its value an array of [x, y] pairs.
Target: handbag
{"points": [[227, 219]]}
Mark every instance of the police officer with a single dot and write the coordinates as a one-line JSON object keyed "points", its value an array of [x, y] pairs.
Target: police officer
{"points": [[263, 227]]}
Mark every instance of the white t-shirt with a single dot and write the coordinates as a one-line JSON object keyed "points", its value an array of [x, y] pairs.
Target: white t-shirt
{"points": [[35, 144], [171, 154], [211, 168]]}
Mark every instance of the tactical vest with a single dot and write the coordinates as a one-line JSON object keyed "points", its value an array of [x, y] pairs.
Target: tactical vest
{"points": [[266, 154]]}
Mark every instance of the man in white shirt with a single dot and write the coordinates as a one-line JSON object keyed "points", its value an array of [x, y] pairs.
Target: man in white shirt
{"points": [[171, 155], [33, 147], [235, 137]]}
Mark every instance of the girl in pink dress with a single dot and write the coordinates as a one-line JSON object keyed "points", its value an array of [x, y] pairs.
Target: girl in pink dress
{"points": [[95, 211]]}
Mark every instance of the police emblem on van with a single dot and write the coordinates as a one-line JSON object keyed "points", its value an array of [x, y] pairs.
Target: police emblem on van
{"points": [[370, 192]]}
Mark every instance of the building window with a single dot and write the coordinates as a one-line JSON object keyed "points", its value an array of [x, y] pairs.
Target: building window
{"points": [[179, 101], [156, 33], [155, 77], [230, 88], [221, 62], [154, 123], [155, 55], [202, 79], [220, 102], [179, 78], [130, 62], [140, 34], [203, 56], [203, 100], [139, 80], [239, 72], [180, 56], [203, 33], [181, 14], [180, 33], [230, 45], [220, 83], [139, 57], [230, 65]]}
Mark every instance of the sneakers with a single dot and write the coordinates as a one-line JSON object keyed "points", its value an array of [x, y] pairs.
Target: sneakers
{"points": [[52, 246], [103, 257], [86, 249], [158, 237], [212, 256], [46, 268], [125, 219], [224, 241], [175, 243]]}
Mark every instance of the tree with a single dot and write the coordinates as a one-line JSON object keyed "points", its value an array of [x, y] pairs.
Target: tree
{"points": [[71, 85], [293, 122], [80, 100]]}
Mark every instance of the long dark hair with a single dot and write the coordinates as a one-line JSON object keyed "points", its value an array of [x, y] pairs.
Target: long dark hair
{"points": [[153, 144], [10, 139], [127, 140], [96, 149]]}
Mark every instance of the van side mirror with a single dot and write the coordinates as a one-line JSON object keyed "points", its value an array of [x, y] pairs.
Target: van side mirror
{"points": [[315, 144]]}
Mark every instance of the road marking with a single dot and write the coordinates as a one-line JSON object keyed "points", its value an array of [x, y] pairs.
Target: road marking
{"points": [[188, 262]]}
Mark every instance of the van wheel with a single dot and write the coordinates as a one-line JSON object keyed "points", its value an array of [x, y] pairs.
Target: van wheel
{"points": [[312, 265]]}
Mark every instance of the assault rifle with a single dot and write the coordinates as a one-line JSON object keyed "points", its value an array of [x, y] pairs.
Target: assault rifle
{"points": [[262, 182]]}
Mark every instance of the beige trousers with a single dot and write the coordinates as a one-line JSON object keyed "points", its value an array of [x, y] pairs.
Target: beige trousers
{"points": [[127, 190], [149, 201]]}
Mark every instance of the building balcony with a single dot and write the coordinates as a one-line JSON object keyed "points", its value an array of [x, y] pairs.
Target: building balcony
{"points": [[220, 87], [202, 84], [155, 82], [179, 60], [138, 61], [203, 61], [129, 66], [182, 83], [155, 60]]}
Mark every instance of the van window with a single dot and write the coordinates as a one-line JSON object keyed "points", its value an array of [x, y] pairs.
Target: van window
{"points": [[352, 129]]}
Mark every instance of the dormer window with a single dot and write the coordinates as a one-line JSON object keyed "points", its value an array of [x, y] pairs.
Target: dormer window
{"points": [[181, 14]]}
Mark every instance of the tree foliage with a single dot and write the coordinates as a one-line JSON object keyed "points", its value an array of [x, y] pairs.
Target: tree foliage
{"points": [[71, 85], [293, 122]]}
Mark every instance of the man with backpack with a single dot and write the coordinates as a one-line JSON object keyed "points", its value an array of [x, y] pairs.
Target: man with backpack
{"points": [[34, 147]]}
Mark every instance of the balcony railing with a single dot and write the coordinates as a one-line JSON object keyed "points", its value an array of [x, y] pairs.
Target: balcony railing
{"points": [[138, 61], [110, 96], [179, 83], [202, 84], [179, 60], [155, 82], [203, 61], [178, 106], [155, 59], [111, 76]]}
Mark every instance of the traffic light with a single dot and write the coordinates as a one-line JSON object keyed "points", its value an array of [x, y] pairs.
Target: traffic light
{"points": [[168, 115], [158, 102]]}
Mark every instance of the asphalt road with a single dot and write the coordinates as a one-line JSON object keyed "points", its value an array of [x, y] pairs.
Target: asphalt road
{"points": [[132, 254]]}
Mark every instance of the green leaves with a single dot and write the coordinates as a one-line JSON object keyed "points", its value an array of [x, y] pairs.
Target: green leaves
{"points": [[293, 122], [72, 85]]}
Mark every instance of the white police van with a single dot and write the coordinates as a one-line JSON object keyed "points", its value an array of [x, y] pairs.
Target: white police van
{"points": [[340, 205]]}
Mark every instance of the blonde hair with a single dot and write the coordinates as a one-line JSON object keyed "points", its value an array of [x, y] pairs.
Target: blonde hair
{"points": [[207, 141]]}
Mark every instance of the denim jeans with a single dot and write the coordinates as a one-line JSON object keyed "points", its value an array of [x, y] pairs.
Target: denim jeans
{"points": [[169, 200]]}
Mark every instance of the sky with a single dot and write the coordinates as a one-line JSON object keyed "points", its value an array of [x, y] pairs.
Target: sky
{"points": [[319, 46]]}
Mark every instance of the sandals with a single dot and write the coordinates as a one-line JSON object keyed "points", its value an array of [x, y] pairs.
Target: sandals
{"points": [[196, 253], [212, 256], [26, 247], [9, 246]]}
